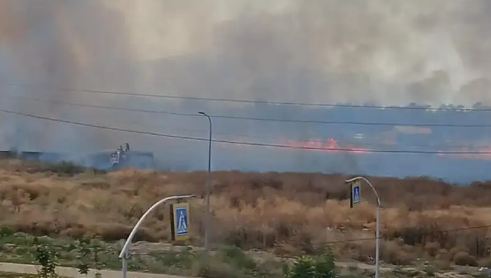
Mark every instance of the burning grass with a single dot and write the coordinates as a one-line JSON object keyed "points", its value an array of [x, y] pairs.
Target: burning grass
{"points": [[285, 213]]}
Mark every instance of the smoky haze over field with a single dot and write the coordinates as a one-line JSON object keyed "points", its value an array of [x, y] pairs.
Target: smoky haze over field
{"points": [[361, 52]]}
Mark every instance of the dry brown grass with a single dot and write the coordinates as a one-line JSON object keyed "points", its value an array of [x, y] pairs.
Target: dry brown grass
{"points": [[288, 213]]}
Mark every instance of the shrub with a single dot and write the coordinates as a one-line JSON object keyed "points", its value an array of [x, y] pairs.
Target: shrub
{"points": [[6, 232], [463, 258], [304, 267], [182, 259], [361, 251], [231, 261], [324, 266], [115, 231], [313, 267], [429, 270], [83, 256], [442, 264], [432, 248], [210, 267], [46, 256], [64, 168], [486, 262], [236, 257], [396, 254]]}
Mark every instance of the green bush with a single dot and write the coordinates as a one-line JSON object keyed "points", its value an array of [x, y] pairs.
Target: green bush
{"points": [[324, 266], [304, 267], [179, 259], [6, 232], [212, 267], [231, 261], [236, 257], [83, 256], [430, 271], [313, 267], [46, 256]]}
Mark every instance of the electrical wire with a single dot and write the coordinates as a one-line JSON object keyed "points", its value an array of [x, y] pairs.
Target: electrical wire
{"points": [[248, 101], [245, 143], [262, 119]]}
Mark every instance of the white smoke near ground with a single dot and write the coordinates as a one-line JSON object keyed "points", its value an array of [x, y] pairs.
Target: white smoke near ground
{"points": [[360, 52]]}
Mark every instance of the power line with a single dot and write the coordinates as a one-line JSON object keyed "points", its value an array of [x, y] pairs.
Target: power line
{"points": [[108, 107], [244, 143], [249, 101], [357, 122], [262, 119], [28, 115]]}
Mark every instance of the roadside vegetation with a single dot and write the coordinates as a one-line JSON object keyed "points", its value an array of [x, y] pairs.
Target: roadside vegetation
{"points": [[287, 215], [47, 253], [16, 275], [222, 262]]}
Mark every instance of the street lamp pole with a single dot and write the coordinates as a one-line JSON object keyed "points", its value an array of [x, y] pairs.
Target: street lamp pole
{"points": [[377, 233], [208, 186]]}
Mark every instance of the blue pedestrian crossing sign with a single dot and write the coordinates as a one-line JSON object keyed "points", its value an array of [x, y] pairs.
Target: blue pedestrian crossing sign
{"points": [[355, 193], [180, 221]]}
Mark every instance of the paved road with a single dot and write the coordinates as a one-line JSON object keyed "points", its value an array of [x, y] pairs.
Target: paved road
{"points": [[72, 272]]}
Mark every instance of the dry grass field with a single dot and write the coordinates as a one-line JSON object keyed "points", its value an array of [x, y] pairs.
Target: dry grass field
{"points": [[284, 213]]}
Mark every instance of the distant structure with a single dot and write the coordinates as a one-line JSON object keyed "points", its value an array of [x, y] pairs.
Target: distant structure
{"points": [[122, 157], [119, 156]]}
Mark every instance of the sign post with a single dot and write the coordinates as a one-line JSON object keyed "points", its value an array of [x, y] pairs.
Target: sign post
{"points": [[355, 187]]}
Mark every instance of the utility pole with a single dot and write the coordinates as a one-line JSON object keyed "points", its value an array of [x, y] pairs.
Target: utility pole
{"points": [[208, 186]]}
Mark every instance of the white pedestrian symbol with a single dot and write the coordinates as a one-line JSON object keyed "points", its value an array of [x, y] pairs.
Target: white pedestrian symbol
{"points": [[356, 196], [182, 226]]}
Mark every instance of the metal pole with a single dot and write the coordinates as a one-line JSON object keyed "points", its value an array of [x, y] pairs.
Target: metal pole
{"points": [[124, 263], [377, 245], [208, 186], [123, 255], [377, 233]]}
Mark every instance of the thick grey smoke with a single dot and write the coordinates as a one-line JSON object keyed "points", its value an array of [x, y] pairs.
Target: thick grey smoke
{"points": [[66, 44], [377, 52], [385, 52]]}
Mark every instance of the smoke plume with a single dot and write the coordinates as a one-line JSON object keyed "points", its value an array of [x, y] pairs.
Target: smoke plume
{"points": [[360, 52]]}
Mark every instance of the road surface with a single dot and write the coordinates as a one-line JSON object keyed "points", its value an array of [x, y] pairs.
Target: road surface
{"points": [[72, 272]]}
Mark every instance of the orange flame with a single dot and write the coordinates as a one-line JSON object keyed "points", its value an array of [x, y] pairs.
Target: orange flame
{"points": [[329, 145], [485, 155]]}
